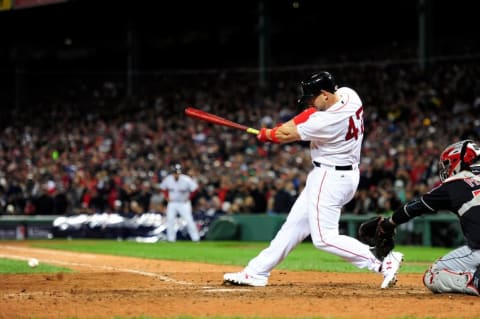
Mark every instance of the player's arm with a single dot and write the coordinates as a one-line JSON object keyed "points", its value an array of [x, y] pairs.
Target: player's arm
{"points": [[164, 189], [287, 132], [193, 189], [410, 210], [429, 203]]}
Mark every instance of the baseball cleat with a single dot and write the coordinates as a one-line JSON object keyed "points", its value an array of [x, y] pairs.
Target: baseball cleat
{"points": [[243, 279], [390, 266]]}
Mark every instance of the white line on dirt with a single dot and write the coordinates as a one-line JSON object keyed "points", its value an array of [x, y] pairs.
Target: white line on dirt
{"points": [[111, 268], [17, 249], [226, 290], [49, 251]]}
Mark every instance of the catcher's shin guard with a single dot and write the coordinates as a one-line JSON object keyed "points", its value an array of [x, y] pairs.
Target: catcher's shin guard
{"points": [[476, 278], [444, 281]]}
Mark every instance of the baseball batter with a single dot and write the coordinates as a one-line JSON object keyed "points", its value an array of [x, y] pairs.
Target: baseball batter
{"points": [[333, 123], [459, 270], [178, 189]]}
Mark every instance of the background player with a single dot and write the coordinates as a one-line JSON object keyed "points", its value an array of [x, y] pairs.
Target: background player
{"points": [[458, 271], [333, 123], [178, 190]]}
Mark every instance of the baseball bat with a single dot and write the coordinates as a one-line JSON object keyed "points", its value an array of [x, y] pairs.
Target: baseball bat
{"points": [[215, 119]]}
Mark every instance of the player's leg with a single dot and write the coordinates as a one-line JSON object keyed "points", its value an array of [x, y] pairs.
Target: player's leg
{"points": [[328, 191], [186, 214], [293, 231], [458, 271], [171, 218]]}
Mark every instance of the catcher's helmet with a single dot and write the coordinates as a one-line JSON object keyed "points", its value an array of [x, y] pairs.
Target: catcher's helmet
{"points": [[314, 84], [457, 157]]}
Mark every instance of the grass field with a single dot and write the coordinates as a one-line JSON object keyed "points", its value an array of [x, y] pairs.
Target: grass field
{"points": [[304, 257]]}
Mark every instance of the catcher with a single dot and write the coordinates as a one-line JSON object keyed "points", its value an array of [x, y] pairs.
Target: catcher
{"points": [[459, 192]]}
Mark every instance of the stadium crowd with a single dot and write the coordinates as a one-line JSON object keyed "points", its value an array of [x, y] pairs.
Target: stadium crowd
{"points": [[83, 147]]}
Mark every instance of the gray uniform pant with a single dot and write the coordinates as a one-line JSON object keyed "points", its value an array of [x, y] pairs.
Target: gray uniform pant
{"points": [[454, 272]]}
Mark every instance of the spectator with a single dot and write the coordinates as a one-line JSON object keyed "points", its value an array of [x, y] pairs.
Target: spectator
{"points": [[282, 197]]}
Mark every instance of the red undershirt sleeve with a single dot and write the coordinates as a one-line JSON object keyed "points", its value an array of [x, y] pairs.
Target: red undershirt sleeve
{"points": [[302, 117]]}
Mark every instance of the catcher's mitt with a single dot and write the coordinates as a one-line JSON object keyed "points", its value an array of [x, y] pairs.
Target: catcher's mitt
{"points": [[378, 233]]}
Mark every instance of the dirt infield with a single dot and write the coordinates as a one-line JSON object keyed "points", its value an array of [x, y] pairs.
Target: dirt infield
{"points": [[109, 286]]}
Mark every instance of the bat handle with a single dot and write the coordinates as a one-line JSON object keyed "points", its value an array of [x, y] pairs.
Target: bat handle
{"points": [[252, 131]]}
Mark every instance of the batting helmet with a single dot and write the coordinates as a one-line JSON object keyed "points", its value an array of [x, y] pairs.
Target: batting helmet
{"points": [[176, 168], [314, 84]]}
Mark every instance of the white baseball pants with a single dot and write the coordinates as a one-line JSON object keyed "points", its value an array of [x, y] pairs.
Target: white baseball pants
{"points": [[184, 209], [316, 212]]}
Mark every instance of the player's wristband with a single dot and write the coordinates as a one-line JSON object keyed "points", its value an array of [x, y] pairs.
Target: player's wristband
{"points": [[262, 135], [273, 136]]}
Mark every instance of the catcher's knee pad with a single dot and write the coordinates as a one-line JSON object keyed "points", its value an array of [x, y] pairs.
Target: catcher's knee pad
{"points": [[441, 281]]}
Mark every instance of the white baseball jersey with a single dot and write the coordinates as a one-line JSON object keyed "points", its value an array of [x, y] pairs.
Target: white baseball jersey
{"points": [[336, 134], [179, 190]]}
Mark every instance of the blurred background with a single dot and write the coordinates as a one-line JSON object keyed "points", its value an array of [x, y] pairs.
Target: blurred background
{"points": [[134, 38], [93, 94]]}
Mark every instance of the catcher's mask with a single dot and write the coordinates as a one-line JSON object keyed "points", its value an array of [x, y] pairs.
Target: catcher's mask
{"points": [[457, 157], [313, 86]]}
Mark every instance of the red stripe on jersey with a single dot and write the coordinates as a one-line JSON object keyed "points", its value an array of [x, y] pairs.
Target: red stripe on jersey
{"points": [[302, 117]]}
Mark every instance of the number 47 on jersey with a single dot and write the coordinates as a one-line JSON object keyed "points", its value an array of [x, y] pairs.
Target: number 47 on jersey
{"points": [[355, 125]]}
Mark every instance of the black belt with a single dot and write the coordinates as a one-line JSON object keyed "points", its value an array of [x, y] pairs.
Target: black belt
{"points": [[338, 168]]}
